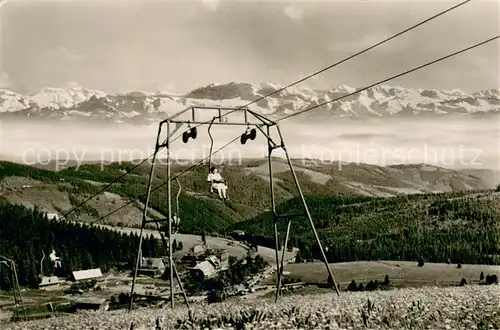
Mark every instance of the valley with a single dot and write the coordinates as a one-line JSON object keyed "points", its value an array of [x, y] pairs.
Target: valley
{"points": [[58, 192], [377, 213], [317, 165]]}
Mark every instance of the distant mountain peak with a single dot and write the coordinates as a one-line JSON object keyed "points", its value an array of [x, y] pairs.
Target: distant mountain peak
{"points": [[344, 88], [77, 102]]}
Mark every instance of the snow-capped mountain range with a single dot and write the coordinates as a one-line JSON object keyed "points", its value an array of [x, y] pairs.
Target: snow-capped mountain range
{"points": [[80, 103]]}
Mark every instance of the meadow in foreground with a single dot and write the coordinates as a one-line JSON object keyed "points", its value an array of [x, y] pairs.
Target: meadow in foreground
{"points": [[468, 307]]}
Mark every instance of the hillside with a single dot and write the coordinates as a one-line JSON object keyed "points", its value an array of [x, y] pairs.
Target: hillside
{"points": [[138, 107], [27, 235], [447, 227], [58, 192], [401, 273], [379, 215], [486, 175]]}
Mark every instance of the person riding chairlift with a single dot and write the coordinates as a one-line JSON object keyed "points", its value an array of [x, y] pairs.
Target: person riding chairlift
{"points": [[55, 259], [217, 183], [175, 223]]}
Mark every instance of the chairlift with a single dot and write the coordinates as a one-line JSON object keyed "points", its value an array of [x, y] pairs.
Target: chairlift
{"points": [[190, 133], [212, 189], [55, 260], [250, 134], [176, 217], [41, 266]]}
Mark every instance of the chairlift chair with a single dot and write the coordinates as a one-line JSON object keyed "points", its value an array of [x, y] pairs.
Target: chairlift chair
{"points": [[176, 220], [212, 190]]}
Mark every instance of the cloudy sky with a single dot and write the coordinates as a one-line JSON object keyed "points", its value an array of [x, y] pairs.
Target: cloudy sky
{"points": [[178, 46]]}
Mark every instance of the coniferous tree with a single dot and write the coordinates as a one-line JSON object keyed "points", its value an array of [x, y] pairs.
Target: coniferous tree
{"points": [[5, 278], [26, 233], [298, 257], [386, 280], [87, 261], [352, 286]]}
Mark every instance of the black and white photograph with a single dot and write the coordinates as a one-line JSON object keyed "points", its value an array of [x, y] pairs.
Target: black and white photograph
{"points": [[259, 164]]}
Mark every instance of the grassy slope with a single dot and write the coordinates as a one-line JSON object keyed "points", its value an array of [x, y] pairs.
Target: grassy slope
{"points": [[200, 211], [469, 307], [401, 273]]}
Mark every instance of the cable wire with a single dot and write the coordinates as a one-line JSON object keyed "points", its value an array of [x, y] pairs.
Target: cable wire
{"points": [[64, 216], [164, 183], [390, 78], [362, 52], [341, 61], [283, 88]]}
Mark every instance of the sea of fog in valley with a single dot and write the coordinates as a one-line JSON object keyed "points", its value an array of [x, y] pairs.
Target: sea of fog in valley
{"points": [[452, 142]]}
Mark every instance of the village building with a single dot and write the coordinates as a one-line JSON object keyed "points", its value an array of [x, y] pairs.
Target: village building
{"points": [[194, 255], [49, 283], [151, 267], [88, 303], [210, 267], [237, 234], [189, 259], [85, 275], [53, 216], [203, 270], [198, 250]]}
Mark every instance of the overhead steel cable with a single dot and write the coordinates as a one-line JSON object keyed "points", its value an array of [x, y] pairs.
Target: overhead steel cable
{"points": [[64, 216], [320, 105], [166, 182], [390, 78], [362, 52], [324, 103], [285, 87], [342, 61]]}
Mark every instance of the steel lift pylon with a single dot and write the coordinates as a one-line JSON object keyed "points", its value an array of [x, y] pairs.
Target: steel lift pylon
{"points": [[19, 311], [225, 117]]}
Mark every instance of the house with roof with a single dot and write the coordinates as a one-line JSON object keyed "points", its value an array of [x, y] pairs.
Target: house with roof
{"points": [[203, 270], [151, 267], [85, 275], [214, 261], [210, 266], [49, 283], [89, 303], [195, 254], [238, 234], [52, 216], [189, 259], [198, 250]]}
